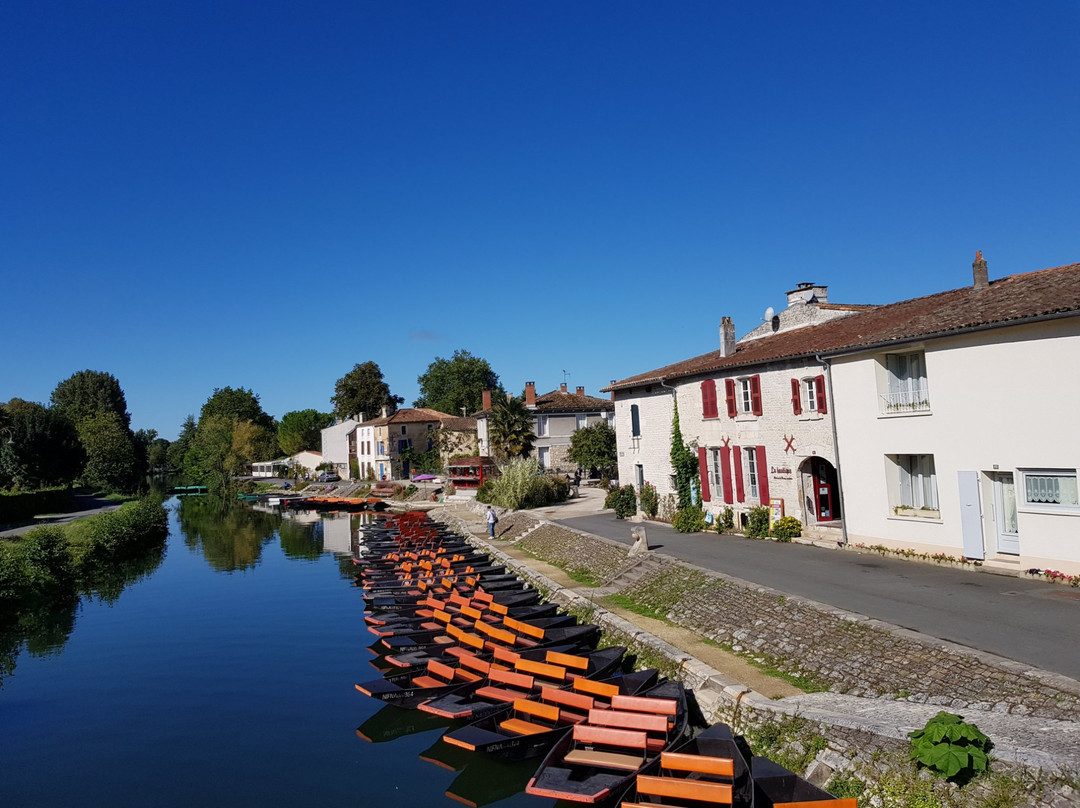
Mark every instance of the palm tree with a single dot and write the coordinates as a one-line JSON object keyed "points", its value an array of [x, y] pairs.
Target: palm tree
{"points": [[510, 429]]}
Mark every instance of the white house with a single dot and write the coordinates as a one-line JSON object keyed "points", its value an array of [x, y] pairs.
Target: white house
{"points": [[956, 420], [756, 411], [339, 445]]}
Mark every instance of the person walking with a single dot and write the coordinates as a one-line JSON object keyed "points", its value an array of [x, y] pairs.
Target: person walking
{"points": [[491, 520]]}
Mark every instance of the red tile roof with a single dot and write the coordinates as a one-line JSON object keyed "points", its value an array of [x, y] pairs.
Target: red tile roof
{"points": [[411, 415], [1040, 295], [558, 401]]}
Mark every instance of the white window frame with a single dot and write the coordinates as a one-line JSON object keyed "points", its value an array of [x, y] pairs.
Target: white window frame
{"points": [[752, 492], [1032, 480], [541, 426], [746, 396], [809, 391], [715, 472], [912, 486], [582, 420], [905, 390]]}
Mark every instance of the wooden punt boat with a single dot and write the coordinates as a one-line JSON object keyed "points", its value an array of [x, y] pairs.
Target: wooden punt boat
{"points": [[602, 755], [426, 638], [529, 727], [776, 787], [408, 625], [507, 598], [525, 680], [707, 770]]}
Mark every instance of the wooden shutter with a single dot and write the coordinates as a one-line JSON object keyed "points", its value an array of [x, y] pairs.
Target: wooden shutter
{"points": [[740, 495], [796, 397], [703, 468], [819, 388], [762, 476], [755, 394], [732, 403], [725, 473], [635, 421], [708, 399]]}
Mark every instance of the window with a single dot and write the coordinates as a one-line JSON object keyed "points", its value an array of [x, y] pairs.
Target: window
{"points": [[403, 429], [402, 445], [907, 391], [541, 426], [635, 421], [1051, 487], [381, 448], [915, 487], [544, 456], [743, 396], [431, 427], [708, 399], [808, 395], [752, 471], [582, 421]]}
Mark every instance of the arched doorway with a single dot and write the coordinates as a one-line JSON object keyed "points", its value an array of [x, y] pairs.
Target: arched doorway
{"points": [[821, 491]]}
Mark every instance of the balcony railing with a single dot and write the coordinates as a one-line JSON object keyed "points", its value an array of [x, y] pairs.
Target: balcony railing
{"points": [[905, 401]]}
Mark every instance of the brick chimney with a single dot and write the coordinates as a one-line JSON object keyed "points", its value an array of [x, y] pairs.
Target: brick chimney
{"points": [[562, 387], [530, 394], [727, 336], [581, 391], [613, 393], [978, 269], [485, 400]]}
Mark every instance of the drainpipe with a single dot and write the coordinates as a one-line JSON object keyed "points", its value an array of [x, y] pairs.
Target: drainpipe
{"points": [[836, 448]]}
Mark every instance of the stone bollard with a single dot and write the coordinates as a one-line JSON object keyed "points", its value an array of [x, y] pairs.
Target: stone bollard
{"points": [[641, 541]]}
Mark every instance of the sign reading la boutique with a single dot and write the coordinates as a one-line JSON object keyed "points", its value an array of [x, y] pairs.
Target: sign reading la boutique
{"points": [[781, 472]]}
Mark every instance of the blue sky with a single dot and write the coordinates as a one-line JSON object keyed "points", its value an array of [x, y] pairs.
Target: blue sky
{"points": [[198, 195]]}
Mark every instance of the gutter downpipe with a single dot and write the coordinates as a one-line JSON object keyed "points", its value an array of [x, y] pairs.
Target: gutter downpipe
{"points": [[836, 447]]}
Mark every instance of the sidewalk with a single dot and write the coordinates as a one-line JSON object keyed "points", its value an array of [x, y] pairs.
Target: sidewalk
{"points": [[93, 506]]}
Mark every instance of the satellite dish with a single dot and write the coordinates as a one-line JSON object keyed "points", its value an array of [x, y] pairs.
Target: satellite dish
{"points": [[769, 314]]}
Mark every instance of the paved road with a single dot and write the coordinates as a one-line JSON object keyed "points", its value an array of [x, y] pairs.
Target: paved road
{"points": [[89, 506], [1029, 621]]}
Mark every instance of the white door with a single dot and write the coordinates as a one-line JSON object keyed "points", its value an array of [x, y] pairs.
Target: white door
{"points": [[970, 514], [1008, 538]]}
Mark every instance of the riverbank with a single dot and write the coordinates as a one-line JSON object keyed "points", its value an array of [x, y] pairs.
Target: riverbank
{"points": [[860, 685]]}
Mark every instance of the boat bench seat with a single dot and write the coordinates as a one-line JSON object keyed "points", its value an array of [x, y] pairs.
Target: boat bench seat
{"points": [[833, 803], [603, 760], [684, 789], [500, 694], [427, 681], [521, 727]]}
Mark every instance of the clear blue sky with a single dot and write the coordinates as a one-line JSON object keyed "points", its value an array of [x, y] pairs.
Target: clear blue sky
{"points": [[259, 194]]}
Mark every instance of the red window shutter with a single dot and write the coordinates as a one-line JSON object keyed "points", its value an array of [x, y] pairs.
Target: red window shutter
{"points": [[703, 468], [725, 473], [755, 394], [762, 476], [708, 399], [796, 398], [740, 495], [732, 404], [819, 388]]}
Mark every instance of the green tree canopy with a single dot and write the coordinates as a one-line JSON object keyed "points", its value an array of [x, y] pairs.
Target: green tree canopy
{"points": [[38, 447], [449, 385], [510, 432], [89, 392], [157, 455], [110, 452], [594, 447], [178, 449], [222, 447], [302, 429], [241, 404], [362, 390]]}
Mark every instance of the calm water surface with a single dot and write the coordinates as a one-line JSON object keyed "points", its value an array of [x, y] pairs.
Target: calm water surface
{"points": [[224, 676]]}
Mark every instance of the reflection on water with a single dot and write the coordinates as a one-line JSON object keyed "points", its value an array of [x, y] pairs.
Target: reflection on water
{"points": [[230, 538]]}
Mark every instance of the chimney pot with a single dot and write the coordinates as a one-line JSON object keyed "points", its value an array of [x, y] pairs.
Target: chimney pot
{"points": [[727, 336], [979, 272], [562, 387], [581, 391], [530, 394]]}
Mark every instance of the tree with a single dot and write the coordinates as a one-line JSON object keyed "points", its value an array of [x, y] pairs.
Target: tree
{"points": [[110, 452], [157, 455], [684, 463], [362, 390], [450, 385], [302, 429], [594, 447], [241, 404], [178, 449], [89, 392], [510, 432], [38, 447]]}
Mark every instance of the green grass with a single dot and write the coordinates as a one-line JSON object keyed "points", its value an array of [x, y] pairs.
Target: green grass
{"points": [[582, 576], [623, 602]]}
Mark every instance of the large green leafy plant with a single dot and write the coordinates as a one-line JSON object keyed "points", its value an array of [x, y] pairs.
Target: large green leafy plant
{"points": [[951, 747]]}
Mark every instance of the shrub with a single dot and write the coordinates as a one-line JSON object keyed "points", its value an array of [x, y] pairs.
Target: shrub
{"points": [[689, 520], [951, 747], [623, 501], [521, 486], [47, 561], [757, 522], [667, 507], [485, 493], [786, 529], [725, 522], [650, 500]]}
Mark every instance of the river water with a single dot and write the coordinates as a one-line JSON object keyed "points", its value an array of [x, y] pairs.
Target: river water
{"points": [[222, 674]]}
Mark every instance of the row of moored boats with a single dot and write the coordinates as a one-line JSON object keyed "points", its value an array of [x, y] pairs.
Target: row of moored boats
{"points": [[463, 638]]}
